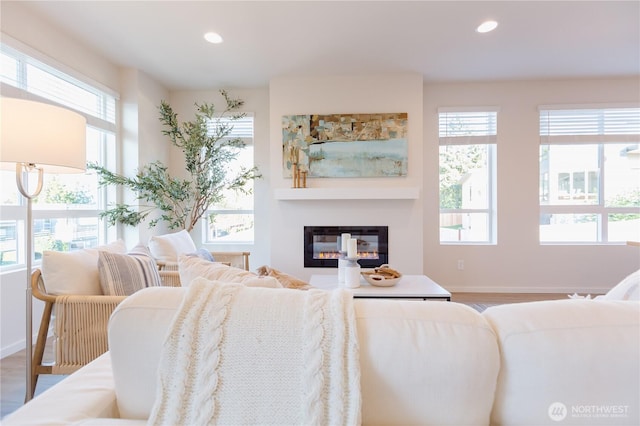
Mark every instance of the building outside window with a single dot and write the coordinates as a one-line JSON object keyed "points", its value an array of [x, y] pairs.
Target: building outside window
{"points": [[589, 175], [232, 219], [468, 175], [66, 213]]}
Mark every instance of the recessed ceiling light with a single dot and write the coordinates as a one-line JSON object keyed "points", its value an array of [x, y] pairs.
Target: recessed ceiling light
{"points": [[487, 26], [214, 38]]}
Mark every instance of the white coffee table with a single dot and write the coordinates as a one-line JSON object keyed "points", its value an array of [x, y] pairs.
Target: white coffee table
{"points": [[417, 287]]}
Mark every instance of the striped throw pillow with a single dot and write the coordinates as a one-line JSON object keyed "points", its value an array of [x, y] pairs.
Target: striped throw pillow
{"points": [[124, 274]]}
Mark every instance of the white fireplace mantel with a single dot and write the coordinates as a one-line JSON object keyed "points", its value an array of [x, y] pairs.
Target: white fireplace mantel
{"points": [[364, 193]]}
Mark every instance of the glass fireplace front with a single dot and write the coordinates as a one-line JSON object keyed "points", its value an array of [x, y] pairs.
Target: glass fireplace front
{"points": [[322, 245]]}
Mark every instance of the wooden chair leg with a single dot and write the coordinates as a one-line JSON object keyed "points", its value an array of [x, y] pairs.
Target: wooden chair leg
{"points": [[245, 255], [39, 350]]}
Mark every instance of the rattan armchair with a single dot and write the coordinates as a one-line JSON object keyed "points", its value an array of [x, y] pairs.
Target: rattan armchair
{"points": [[80, 329], [80, 326], [237, 259]]}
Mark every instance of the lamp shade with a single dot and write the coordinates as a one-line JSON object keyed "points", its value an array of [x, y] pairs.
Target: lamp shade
{"points": [[48, 136]]}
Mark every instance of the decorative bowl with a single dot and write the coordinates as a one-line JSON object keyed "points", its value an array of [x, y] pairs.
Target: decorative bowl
{"points": [[378, 279]]}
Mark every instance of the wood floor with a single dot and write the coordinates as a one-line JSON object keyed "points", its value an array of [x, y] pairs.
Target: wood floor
{"points": [[12, 368], [13, 380]]}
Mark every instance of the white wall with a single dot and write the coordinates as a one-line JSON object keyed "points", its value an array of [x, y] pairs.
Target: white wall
{"points": [[347, 94], [17, 21], [13, 302], [141, 140], [518, 262]]}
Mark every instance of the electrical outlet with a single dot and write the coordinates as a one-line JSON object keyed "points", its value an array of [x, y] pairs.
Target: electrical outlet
{"points": [[460, 264]]}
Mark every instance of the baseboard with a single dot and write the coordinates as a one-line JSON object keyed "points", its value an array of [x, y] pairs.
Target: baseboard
{"points": [[547, 290], [20, 345], [12, 349]]}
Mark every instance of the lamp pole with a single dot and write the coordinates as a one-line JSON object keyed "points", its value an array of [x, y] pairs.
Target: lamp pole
{"points": [[22, 181]]}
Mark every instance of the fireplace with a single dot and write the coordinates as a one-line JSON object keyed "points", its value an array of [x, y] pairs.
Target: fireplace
{"points": [[322, 249]]}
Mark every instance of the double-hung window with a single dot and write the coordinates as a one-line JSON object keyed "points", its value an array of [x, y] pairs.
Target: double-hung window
{"points": [[589, 174], [66, 213], [232, 219], [468, 139]]}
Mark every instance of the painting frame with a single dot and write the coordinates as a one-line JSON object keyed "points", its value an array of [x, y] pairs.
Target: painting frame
{"points": [[345, 145]]}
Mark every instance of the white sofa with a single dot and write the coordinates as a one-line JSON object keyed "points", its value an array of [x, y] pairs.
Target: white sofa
{"points": [[428, 363]]}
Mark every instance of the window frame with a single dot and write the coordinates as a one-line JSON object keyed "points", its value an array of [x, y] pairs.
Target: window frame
{"points": [[486, 135], [103, 120], [243, 129], [594, 133]]}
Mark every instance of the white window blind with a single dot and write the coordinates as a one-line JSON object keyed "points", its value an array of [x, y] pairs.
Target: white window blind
{"points": [[467, 127], [589, 125], [27, 73], [240, 128]]}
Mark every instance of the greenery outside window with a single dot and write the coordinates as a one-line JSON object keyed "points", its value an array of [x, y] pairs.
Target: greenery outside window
{"points": [[232, 220], [589, 175], [66, 214], [467, 175]]}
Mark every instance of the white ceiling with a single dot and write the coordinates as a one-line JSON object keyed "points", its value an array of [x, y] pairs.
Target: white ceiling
{"points": [[267, 39]]}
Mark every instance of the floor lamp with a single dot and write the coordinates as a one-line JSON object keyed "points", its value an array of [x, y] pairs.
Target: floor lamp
{"points": [[34, 138]]}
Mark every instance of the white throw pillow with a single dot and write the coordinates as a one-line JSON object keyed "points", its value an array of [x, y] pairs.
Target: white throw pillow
{"points": [[256, 281], [124, 274], [627, 289], [192, 267], [168, 247], [75, 272]]}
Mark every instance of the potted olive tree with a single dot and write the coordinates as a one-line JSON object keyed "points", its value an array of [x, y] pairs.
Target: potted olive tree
{"points": [[208, 150]]}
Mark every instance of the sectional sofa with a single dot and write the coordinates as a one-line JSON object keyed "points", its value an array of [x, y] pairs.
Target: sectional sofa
{"points": [[569, 362]]}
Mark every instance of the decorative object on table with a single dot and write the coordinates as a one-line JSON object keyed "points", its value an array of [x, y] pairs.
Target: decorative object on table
{"points": [[352, 248], [36, 137], [208, 151], [342, 263], [351, 267], [343, 242], [352, 273], [345, 145], [383, 276]]}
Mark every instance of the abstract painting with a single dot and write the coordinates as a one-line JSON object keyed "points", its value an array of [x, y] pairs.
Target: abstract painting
{"points": [[345, 145]]}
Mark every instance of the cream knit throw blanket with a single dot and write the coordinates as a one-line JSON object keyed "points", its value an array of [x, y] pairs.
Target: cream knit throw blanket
{"points": [[242, 355]]}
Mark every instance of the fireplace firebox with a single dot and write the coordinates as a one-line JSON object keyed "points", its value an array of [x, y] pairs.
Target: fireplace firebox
{"points": [[322, 245]]}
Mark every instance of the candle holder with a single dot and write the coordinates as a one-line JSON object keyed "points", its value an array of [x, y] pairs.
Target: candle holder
{"points": [[295, 176], [298, 176], [342, 263], [351, 272]]}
